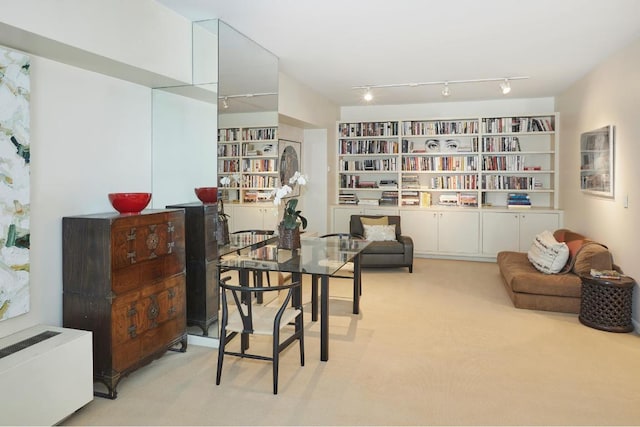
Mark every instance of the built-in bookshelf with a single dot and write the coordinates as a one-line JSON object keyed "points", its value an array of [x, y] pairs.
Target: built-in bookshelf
{"points": [[368, 163], [248, 163], [464, 162]]}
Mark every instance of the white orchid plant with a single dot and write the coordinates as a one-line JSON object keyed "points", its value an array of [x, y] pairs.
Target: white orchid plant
{"points": [[291, 217]]}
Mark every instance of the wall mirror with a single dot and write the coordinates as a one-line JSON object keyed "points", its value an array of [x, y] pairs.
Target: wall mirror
{"points": [[596, 161], [235, 83], [184, 126]]}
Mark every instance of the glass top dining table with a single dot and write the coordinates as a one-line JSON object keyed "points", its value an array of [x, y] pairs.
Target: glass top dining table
{"points": [[320, 257]]}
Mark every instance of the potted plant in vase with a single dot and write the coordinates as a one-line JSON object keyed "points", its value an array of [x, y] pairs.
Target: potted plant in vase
{"points": [[292, 219]]}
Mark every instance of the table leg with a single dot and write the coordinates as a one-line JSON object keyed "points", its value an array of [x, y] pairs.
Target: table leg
{"points": [[357, 284], [296, 297], [324, 319], [243, 276], [314, 298]]}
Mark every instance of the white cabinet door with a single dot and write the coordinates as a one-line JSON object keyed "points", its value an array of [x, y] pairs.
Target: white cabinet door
{"points": [[253, 218], [514, 231], [500, 232], [458, 232], [422, 227], [533, 223], [342, 216]]}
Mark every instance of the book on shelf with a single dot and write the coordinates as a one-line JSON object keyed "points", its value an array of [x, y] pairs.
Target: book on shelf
{"points": [[369, 202], [348, 199], [389, 198], [518, 201], [368, 184], [388, 183], [425, 199], [467, 199], [606, 274], [448, 200]]}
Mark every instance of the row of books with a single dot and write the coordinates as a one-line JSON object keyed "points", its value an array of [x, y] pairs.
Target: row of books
{"points": [[228, 150], [506, 182], [354, 181], [368, 129], [257, 134], [441, 127], [454, 182], [259, 165], [368, 146], [503, 163], [517, 124], [500, 143], [440, 163], [389, 165]]}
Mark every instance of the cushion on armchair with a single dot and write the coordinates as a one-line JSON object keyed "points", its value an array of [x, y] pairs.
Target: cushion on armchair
{"points": [[383, 220], [379, 233]]}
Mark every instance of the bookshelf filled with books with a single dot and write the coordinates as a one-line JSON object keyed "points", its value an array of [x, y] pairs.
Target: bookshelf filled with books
{"points": [[518, 155], [247, 163], [440, 162], [368, 163], [468, 162], [464, 187]]}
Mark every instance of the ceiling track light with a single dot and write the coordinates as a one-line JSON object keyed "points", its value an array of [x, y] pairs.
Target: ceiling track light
{"points": [[445, 91], [225, 102], [505, 87], [368, 96]]}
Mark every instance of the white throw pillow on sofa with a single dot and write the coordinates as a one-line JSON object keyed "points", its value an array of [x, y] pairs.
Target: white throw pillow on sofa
{"points": [[547, 254], [379, 233]]}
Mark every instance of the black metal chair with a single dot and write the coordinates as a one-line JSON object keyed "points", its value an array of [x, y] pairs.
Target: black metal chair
{"points": [[240, 317]]}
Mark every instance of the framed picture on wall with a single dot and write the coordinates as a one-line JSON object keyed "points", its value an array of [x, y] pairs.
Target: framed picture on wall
{"points": [[289, 161], [596, 161]]}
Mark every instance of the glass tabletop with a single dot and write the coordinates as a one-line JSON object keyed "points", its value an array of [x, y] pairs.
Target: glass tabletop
{"points": [[323, 256], [240, 241]]}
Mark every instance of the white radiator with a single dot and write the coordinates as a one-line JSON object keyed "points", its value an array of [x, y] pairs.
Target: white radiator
{"points": [[41, 383]]}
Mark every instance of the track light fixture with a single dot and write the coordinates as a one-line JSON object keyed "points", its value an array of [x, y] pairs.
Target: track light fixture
{"points": [[368, 96], [505, 85], [226, 98], [446, 92]]}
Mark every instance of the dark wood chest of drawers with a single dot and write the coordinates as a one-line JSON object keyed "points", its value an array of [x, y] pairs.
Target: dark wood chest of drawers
{"points": [[202, 254], [124, 280]]}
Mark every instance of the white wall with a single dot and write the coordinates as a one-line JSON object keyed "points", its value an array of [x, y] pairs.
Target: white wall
{"points": [[90, 133], [608, 95], [300, 106], [140, 33]]}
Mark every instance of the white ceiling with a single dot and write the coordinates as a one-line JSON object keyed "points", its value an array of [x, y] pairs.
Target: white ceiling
{"points": [[333, 45]]}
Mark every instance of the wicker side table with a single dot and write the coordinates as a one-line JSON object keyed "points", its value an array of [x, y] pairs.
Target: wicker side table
{"points": [[606, 303]]}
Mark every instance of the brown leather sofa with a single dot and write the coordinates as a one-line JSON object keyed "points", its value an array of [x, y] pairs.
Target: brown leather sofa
{"points": [[392, 253], [531, 289]]}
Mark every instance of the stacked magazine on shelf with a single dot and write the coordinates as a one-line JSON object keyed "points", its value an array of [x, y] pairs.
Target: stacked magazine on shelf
{"points": [[518, 201]]}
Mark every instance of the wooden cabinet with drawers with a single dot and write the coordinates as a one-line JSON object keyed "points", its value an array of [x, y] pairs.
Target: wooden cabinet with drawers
{"points": [[124, 280], [202, 253]]}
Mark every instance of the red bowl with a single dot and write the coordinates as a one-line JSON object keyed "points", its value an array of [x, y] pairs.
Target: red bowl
{"points": [[128, 203], [207, 195]]}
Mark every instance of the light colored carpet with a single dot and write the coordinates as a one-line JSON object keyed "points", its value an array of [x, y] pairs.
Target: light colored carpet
{"points": [[441, 346]]}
